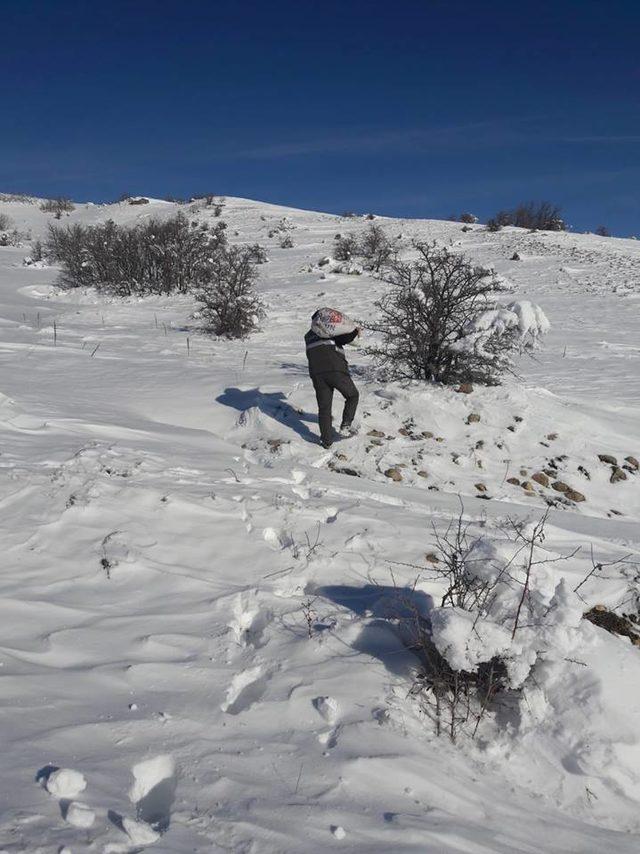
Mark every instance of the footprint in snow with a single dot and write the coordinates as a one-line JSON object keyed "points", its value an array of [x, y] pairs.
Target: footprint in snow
{"points": [[246, 689]]}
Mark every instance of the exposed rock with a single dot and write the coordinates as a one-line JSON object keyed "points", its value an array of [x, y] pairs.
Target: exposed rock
{"points": [[617, 474], [377, 433], [584, 471], [541, 478], [633, 462], [479, 444], [524, 472], [560, 486], [549, 472], [518, 419], [552, 436], [423, 473], [432, 557], [464, 388], [427, 434], [513, 480], [404, 431], [574, 495], [511, 428], [480, 487], [614, 623], [394, 474], [515, 257], [439, 438], [527, 486], [473, 418], [608, 459]]}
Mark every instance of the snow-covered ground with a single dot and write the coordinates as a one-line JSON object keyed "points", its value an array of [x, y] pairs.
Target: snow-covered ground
{"points": [[198, 600]]}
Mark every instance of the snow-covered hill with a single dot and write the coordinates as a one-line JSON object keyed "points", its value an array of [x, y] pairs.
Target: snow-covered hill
{"points": [[198, 600]]}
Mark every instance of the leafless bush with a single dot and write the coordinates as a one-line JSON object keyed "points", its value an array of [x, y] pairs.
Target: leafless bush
{"points": [[468, 218], [488, 591], [286, 242], [426, 315], [14, 237], [372, 248], [375, 248], [153, 257], [536, 216], [345, 247], [57, 206], [603, 231], [257, 253], [227, 302], [5, 222]]}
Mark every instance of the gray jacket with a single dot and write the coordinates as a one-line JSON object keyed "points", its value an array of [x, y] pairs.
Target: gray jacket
{"points": [[326, 354]]}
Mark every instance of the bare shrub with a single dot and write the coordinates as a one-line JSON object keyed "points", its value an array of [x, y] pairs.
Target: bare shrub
{"points": [[536, 216], [375, 248], [14, 237], [603, 231], [153, 257], [57, 206], [257, 253], [372, 248], [345, 247], [468, 218], [286, 242], [227, 302], [497, 618], [440, 321], [5, 222]]}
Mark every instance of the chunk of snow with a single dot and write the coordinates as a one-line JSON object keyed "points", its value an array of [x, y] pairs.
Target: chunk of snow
{"points": [[66, 783], [139, 832], [327, 707], [79, 815]]}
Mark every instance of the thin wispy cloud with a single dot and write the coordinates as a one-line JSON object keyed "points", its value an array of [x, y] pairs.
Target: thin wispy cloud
{"points": [[489, 133]]}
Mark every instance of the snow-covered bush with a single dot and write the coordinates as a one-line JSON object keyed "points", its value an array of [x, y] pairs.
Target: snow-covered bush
{"points": [[468, 218], [57, 206], [440, 321], [537, 216], [372, 248], [345, 247], [286, 242], [257, 253], [227, 302], [504, 610], [5, 222], [153, 257]]}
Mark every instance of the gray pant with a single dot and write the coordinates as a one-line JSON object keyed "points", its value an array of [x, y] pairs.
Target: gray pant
{"points": [[324, 385]]}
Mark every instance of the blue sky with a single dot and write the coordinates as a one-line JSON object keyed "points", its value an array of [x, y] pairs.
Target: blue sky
{"points": [[412, 108]]}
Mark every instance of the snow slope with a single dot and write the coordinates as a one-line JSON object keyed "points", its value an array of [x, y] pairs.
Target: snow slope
{"points": [[197, 600]]}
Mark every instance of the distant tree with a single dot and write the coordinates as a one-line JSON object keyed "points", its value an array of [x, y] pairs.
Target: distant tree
{"points": [[538, 216], [603, 231], [227, 302], [468, 218], [375, 248], [440, 321], [57, 206], [345, 247]]}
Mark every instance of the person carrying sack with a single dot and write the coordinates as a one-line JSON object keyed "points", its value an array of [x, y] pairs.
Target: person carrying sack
{"points": [[329, 370]]}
